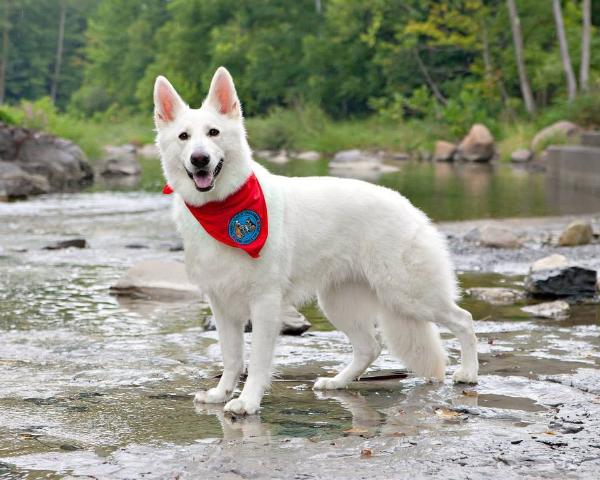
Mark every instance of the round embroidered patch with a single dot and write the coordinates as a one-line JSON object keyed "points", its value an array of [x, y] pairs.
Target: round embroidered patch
{"points": [[244, 227]]}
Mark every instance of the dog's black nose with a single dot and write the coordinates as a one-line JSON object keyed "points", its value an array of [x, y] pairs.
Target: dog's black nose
{"points": [[199, 160]]}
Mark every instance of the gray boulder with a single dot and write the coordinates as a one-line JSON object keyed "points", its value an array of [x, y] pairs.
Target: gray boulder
{"points": [[499, 237], [570, 281], [496, 295], [119, 161], [39, 163], [578, 232], [17, 183]]}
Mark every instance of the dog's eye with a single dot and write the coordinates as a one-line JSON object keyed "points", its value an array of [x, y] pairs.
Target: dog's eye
{"points": [[183, 136], [213, 132]]}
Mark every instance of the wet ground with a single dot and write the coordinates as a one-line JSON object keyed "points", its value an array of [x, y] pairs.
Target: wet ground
{"points": [[94, 388]]}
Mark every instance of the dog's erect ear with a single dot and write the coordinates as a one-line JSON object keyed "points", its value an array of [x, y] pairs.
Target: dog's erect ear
{"points": [[222, 95], [167, 103]]}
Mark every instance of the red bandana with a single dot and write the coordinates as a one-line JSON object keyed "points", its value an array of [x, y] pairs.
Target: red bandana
{"points": [[238, 221]]}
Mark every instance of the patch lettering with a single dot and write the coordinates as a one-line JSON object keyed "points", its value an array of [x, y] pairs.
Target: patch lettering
{"points": [[244, 227]]}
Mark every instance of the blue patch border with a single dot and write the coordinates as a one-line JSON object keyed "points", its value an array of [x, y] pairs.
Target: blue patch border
{"points": [[249, 237]]}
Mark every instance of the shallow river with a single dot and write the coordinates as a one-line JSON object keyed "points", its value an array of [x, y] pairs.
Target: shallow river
{"points": [[94, 386]]}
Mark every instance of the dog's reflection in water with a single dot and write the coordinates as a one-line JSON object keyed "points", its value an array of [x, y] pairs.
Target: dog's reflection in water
{"points": [[236, 427], [405, 415]]}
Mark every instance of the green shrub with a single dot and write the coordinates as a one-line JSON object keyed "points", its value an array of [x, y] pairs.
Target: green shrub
{"points": [[6, 117]]}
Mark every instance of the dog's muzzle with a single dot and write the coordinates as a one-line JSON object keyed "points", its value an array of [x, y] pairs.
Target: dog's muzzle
{"points": [[203, 179]]}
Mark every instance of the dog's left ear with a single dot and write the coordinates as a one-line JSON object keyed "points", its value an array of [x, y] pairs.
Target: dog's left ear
{"points": [[222, 95]]}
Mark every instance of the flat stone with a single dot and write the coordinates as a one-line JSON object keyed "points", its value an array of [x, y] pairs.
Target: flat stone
{"points": [[497, 295], [558, 309], [562, 282], [148, 151], [355, 156], [72, 243], [309, 156], [158, 280], [562, 128], [578, 232], [120, 160], [550, 262], [280, 158], [499, 237], [521, 155]]}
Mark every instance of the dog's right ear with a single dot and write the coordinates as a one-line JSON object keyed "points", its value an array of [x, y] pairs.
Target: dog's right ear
{"points": [[167, 102]]}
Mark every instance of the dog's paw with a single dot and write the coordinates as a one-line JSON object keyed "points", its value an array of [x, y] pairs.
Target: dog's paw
{"points": [[324, 383], [463, 375], [241, 406], [213, 395]]}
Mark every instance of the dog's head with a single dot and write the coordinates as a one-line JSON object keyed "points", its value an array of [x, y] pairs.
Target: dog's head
{"points": [[204, 152]]}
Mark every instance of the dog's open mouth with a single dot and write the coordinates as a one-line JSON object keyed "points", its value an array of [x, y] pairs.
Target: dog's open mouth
{"points": [[205, 179]]}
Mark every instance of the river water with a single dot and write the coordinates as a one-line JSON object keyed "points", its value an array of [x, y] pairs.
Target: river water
{"points": [[96, 386]]}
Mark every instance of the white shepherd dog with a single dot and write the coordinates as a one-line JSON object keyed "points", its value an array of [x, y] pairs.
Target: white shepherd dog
{"points": [[368, 254]]}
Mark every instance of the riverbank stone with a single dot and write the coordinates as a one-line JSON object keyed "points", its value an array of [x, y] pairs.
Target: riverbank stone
{"points": [[34, 162], [560, 129], [521, 155], [572, 281], [309, 156], [559, 309], [120, 160], [579, 232], [71, 243], [498, 237], [496, 295], [556, 260], [444, 151], [477, 146]]}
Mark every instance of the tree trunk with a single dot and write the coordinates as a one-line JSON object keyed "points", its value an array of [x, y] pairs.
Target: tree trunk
{"points": [[436, 91], [584, 72], [515, 24], [564, 50], [59, 51], [4, 59], [318, 7]]}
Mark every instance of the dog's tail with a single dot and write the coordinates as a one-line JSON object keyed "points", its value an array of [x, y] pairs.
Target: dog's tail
{"points": [[416, 343]]}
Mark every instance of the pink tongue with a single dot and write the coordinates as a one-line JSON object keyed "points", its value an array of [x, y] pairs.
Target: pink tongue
{"points": [[203, 181]]}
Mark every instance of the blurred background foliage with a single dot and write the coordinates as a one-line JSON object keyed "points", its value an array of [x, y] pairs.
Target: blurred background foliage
{"points": [[310, 73]]}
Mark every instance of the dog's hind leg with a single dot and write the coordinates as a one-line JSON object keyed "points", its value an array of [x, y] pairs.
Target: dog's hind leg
{"points": [[231, 341], [460, 323], [350, 307]]}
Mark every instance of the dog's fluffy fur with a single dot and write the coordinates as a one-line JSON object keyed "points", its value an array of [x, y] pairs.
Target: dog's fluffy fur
{"points": [[367, 253]]}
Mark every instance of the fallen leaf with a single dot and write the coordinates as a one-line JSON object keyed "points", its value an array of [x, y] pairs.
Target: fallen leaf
{"points": [[366, 452], [356, 430], [550, 432], [446, 413], [470, 393]]}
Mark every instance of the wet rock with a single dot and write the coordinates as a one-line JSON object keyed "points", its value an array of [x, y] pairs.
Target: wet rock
{"points": [[444, 151], [578, 232], [33, 163], [550, 262], [17, 183], [120, 160], [499, 237], [585, 379], [309, 156], [521, 155], [60, 161], [136, 246], [477, 146], [148, 151], [558, 309], [562, 282], [72, 243], [178, 247], [473, 235], [264, 154], [496, 296], [158, 280], [561, 129]]}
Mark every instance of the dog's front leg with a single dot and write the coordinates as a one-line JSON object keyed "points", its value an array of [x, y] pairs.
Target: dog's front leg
{"points": [[231, 341], [266, 324]]}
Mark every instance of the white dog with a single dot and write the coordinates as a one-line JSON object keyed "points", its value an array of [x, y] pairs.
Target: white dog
{"points": [[367, 253]]}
